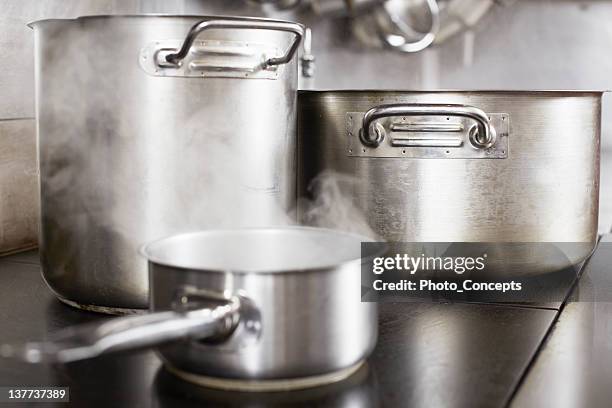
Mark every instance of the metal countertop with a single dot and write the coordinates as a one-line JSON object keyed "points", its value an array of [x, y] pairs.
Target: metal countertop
{"points": [[574, 367], [428, 354]]}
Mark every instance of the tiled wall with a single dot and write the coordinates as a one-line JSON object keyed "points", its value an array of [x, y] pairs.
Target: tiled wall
{"points": [[537, 44]]}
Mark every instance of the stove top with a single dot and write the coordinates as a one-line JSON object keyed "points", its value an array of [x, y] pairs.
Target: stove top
{"points": [[456, 354]]}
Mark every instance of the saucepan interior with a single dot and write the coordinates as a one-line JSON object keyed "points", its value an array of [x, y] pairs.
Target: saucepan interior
{"points": [[286, 249]]}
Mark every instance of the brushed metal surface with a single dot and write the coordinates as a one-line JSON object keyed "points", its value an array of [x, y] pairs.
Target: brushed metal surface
{"points": [[126, 157], [19, 198], [546, 190], [455, 355], [574, 367]]}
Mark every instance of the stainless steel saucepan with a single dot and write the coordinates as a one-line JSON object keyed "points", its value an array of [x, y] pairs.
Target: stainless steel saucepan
{"points": [[279, 308]]}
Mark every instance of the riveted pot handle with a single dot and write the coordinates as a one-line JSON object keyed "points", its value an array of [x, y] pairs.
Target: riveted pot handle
{"points": [[482, 136], [189, 319], [197, 29]]}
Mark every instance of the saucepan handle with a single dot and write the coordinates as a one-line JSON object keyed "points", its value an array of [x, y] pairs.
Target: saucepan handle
{"points": [[295, 28], [189, 320], [482, 136]]}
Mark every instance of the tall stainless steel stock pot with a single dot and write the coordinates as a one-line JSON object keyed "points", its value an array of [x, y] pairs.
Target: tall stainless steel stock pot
{"points": [[152, 125], [464, 166]]}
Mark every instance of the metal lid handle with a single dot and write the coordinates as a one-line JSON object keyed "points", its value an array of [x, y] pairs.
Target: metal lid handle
{"points": [[295, 28]]}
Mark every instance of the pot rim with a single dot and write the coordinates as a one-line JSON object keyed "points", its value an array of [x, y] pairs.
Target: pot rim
{"points": [[525, 92], [91, 17], [144, 250]]}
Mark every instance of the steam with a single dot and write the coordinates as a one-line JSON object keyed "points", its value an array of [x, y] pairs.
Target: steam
{"points": [[104, 167], [127, 158], [333, 204]]}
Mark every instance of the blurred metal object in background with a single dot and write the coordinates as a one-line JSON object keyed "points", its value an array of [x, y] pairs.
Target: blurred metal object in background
{"points": [[344, 7], [457, 16], [307, 59], [389, 22], [394, 29], [278, 4], [403, 25], [397, 21]]}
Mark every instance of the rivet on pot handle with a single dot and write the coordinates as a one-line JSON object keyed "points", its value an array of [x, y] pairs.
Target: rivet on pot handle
{"points": [[189, 319], [482, 136], [297, 29]]}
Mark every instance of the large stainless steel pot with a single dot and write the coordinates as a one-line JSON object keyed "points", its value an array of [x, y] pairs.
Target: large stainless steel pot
{"points": [[153, 125], [278, 307], [453, 166]]}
